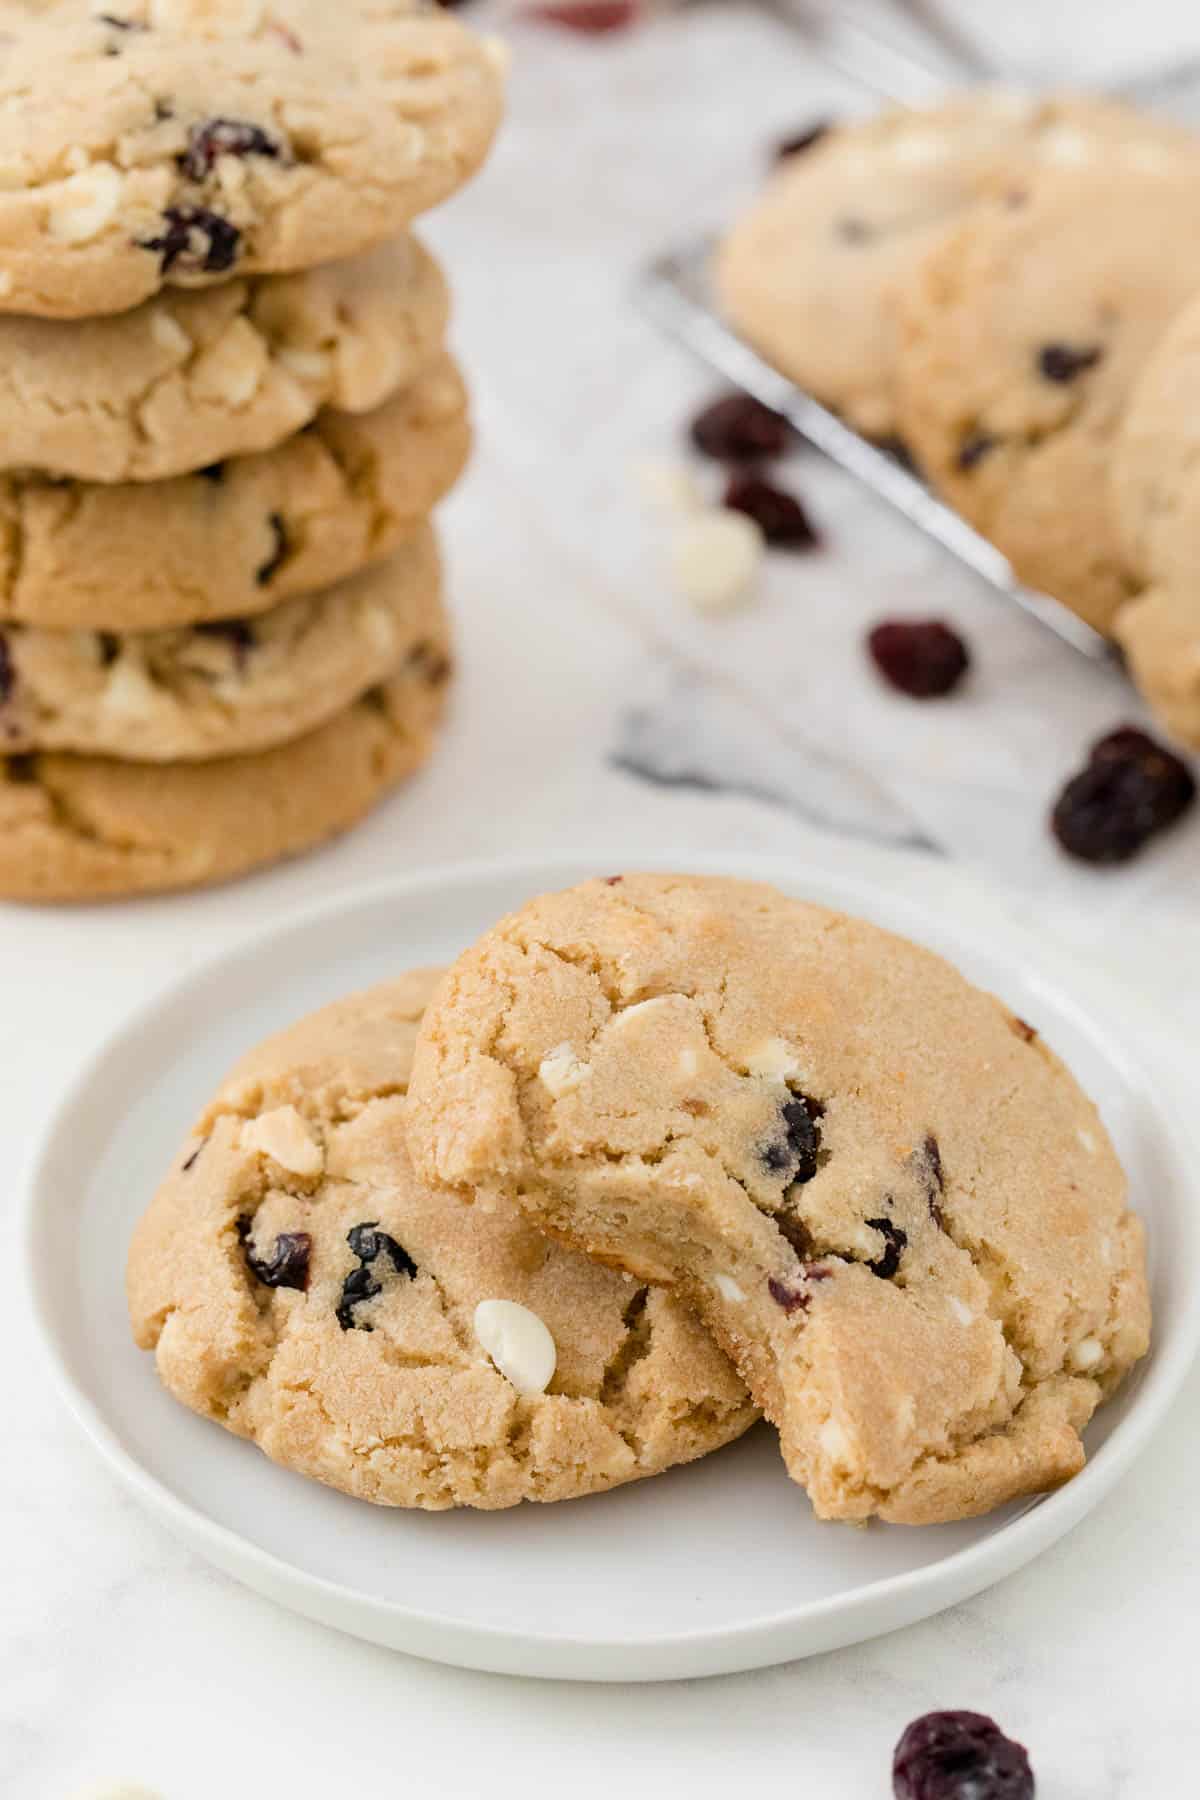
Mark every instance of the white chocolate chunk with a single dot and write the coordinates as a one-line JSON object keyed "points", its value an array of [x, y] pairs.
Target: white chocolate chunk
{"points": [[561, 1072], [1087, 1140], [169, 335], [84, 204], [666, 486], [519, 1344], [689, 1062], [728, 1288], [1086, 1354], [715, 557], [307, 365], [774, 1058], [285, 1137], [834, 1442], [961, 1311], [129, 692]]}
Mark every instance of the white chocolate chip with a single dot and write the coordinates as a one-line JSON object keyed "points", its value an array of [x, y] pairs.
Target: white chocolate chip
{"points": [[715, 557], [774, 1058], [169, 335], [519, 1344], [1087, 1140], [76, 159], [561, 1072], [689, 1062], [307, 365], [129, 692], [230, 371], [84, 204], [1066, 144], [727, 1287], [834, 1442], [961, 1311], [666, 486], [283, 1136], [1086, 1354]]}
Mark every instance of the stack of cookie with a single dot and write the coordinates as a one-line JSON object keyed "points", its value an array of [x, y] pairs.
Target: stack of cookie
{"points": [[673, 1150], [229, 412], [986, 284]]}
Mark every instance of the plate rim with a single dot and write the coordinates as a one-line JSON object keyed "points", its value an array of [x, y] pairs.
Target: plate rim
{"points": [[800, 1629]]}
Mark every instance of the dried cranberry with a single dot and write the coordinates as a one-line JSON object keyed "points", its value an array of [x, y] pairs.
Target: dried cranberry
{"points": [[8, 675], [590, 17], [739, 428], [287, 1265], [197, 239], [1063, 362], [796, 1152], [791, 1299], [922, 657], [431, 664], [895, 1241], [1131, 789], [974, 448], [959, 1756], [239, 633], [368, 1243], [225, 137], [780, 516], [359, 1285], [901, 454], [1022, 1029], [803, 140], [278, 554]]}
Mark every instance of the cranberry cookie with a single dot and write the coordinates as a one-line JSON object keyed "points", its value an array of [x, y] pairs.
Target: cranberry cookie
{"points": [[1023, 335], [221, 689], [881, 1191], [92, 828], [189, 379], [809, 274], [298, 1285], [241, 536], [152, 143]]}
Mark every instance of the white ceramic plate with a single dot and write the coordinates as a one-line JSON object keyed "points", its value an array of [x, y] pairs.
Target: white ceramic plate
{"points": [[703, 1571]]}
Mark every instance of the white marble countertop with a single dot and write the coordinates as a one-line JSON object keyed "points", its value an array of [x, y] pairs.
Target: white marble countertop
{"points": [[593, 713]]}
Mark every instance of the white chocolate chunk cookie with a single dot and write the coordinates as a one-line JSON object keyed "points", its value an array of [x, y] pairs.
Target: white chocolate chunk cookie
{"points": [[1024, 334], [810, 273], [885, 1196], [93, 828], [299, 1285], [225, 688], [144, 145], [243, 535], [189, 379]]}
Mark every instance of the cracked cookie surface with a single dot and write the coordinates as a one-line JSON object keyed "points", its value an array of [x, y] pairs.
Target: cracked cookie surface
{"points": [[189, 379], [92, 828], [885, 1196], [139, 556], [1022, 337], [178, 142], [225, 688], [300, 1286], [809, 273]]}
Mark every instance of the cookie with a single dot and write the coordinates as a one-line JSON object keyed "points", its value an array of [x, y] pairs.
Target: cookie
{"points": [[298, 1285], [189, 379], [221, 689], [170, 142], [244, 535], [1159, 632], [1022, 338], [90, 828], [808, 275], [881, 1191]]}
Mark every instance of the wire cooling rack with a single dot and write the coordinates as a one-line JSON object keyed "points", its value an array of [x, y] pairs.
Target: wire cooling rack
{"points": [[676, 288]]}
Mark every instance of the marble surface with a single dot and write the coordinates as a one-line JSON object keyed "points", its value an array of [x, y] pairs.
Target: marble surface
{"points": [[594, 713]]}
